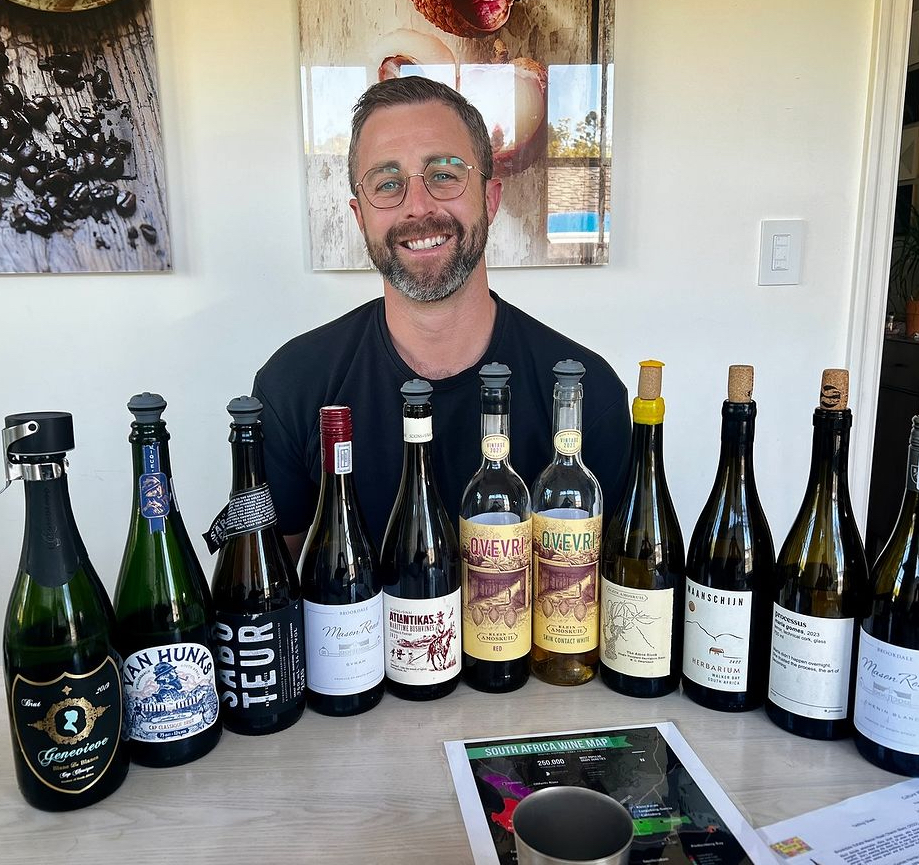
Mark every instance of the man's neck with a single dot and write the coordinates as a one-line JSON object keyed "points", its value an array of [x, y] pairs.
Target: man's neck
{"points": [[441, 338]]}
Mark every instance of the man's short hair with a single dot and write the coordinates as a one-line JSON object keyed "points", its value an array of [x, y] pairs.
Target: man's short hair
{"points": [[415, 90]]}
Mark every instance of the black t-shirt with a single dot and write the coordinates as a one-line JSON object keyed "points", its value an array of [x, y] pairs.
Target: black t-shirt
{"points": [[351, 361]]}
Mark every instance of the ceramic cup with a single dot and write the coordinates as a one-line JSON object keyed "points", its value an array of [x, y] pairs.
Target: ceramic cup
{"points": [[572, 826]]}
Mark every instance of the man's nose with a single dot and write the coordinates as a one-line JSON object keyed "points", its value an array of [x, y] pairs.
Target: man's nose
{"points": [[418, 199]]}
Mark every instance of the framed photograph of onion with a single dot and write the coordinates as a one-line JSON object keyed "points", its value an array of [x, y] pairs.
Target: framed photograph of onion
{"points": [[540, 73], [81, 153]]}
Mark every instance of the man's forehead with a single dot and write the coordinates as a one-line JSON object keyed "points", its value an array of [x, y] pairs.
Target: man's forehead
{"points": [[395, 133]]}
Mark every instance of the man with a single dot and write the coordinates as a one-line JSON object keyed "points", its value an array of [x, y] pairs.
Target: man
{"points": [[420, 169]]}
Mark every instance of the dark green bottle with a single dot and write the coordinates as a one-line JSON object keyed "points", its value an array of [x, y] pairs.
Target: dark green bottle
{"points": [[164, 612], [63, 674], [821, 585]]}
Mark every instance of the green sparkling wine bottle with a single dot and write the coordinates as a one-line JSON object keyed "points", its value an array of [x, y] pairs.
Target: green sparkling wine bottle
{"points": [[63, 673], [164, 613]]}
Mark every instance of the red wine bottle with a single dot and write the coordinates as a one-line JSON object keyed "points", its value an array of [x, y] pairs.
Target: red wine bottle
{"points": [[342, 586], [422, 608]]}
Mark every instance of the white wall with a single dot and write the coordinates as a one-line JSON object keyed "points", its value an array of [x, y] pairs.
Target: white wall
{"points": [[726, 113]]}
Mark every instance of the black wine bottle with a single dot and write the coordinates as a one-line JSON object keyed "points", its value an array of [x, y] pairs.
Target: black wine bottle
{"points": [[164, 611], [495, 545], [643, 570], [258, 635], [729, 572], [887, 671], [422, 608], [820, 586], [342, 586], [567, 529], [63, 673]]}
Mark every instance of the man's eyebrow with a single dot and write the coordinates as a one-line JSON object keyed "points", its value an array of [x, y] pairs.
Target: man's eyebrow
{"points": [[388, 163]]}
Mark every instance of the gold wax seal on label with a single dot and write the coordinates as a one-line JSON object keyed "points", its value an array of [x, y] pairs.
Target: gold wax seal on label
{"points": [[740, 383], [834, 389], [496, 447], [568, 442]]}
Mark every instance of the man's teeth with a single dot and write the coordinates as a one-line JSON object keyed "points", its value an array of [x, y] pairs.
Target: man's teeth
{"points": [[426, 243]]}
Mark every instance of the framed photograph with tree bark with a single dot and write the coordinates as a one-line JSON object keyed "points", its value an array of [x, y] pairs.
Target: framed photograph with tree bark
{"points": [[82, 187], [540, 73]]}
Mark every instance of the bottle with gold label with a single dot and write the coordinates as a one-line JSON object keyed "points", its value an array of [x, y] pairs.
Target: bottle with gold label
{"points": [[567, 528], [495, 527], [641, 593]]}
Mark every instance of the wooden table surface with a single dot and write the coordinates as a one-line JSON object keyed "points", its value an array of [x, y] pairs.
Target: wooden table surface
{"points": [[376, 788]]}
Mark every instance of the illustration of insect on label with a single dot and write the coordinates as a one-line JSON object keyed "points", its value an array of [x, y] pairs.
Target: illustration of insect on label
{"points": [[170, 692], [566, 557], [496, 590], [716, 639], [637, 632], [68, 729], [422, 638]]}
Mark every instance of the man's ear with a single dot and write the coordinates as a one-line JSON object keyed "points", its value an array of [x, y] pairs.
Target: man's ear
{"points": [[355, 206], [492, 197]]}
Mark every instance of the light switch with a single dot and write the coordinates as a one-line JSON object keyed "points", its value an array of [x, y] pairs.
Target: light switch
{"points": [[780, 250]]}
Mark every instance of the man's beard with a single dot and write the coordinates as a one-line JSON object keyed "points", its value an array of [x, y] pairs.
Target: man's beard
{"points": [[437, 282]]}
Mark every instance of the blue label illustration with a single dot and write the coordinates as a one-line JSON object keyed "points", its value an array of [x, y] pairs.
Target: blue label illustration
{"points": [[154, 490]]}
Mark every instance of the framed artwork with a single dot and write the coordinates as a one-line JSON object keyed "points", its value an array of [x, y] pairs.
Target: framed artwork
{"points": [[82, 187], [541, 74]]}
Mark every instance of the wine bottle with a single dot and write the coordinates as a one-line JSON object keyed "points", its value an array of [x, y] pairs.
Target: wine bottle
{"points": [[63, 673], [887, 672], [422, 609], [164, 611], [641, 593], [258, 635], [495, 544], [820, 586], [729, 571], [567, 528], [342, 586]]}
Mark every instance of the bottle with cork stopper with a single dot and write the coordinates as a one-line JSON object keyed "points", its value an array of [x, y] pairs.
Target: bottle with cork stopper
{"points": [[643, 566], [729, 571], [820, 585]]}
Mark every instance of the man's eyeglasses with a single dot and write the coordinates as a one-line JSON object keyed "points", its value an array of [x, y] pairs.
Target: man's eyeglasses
{"points": [[445, 177]]}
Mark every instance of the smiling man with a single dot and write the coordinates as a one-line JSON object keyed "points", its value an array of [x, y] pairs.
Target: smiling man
{"points": [[420, 170]]}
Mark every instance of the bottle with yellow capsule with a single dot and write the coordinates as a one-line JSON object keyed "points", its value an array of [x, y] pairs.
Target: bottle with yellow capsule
{"points": [[643, 565]]}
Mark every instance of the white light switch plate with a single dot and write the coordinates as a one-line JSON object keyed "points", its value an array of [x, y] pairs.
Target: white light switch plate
{"points": [[781, 246]]}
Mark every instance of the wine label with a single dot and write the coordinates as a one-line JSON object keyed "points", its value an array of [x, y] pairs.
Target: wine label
{"points": [[154, 489], [566, 557], [568, 441], [637, 634], [496, 447], [810, 665], [342, 458], [912, 470], [887, 694], [417, 429], [421, 638], [261, 661], [716, 637], [170, 692], [67, 729], [496, 589], [344, 646], [247, 511]]}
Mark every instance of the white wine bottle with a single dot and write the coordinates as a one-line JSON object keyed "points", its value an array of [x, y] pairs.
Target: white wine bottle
{"points": [[821, 582]]}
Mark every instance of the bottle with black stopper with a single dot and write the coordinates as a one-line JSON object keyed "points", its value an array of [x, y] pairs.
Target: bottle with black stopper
{"points": [[643, 568], [63, 672], [495, 545], [820, 586], [422, 608], [342, 586], [729, 572], [164, 611], [567, 528], [258, 635], [887, 671]]}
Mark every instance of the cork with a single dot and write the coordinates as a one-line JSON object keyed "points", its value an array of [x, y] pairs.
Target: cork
{"points": [[649, 379], [834, 389], [740, 383]]}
